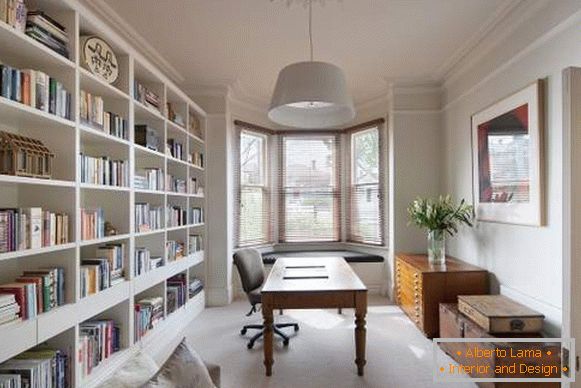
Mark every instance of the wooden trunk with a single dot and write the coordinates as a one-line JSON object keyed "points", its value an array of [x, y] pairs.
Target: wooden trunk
{"points": [[499, 314], [453, 324], [420, 288]]}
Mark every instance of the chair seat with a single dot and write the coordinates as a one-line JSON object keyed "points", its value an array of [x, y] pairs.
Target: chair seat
{"points": [[254, 296]]}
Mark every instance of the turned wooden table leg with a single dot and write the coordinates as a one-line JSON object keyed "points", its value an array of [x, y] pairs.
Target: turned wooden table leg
{"points": [[268, 334], [360, 330]]}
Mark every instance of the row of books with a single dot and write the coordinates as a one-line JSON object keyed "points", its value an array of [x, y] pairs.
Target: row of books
{"points": [[32, 228], [174, 250], [176, 292], [175, 149], [196, 215], [9, 309], [13, 13], [104, 171], [102, 271], [195, 186], [36, 89], [175, 184], [98, 340], [195, 243], [93, 114], [149, 179], [146, 96], [35, 292], [144, 262], [41, 367], [173, 116], [148, 217], [176, 216], [197, 159], [148, 313], [92, 224], [195, 287], [46, 30]]}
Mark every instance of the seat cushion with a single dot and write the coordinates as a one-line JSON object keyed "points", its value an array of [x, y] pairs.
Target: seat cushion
{"points": [[183, 369], [349, 256]]}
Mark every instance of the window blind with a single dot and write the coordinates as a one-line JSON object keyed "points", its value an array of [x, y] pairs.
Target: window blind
{"points": [[253, 224], [365, 222], [309, 187]]}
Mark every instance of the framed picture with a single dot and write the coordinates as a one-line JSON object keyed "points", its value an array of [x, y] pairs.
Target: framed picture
{"points": [[507, 158]]}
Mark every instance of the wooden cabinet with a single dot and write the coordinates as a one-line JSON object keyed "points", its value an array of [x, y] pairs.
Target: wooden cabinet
{"points": [[420, 287]]}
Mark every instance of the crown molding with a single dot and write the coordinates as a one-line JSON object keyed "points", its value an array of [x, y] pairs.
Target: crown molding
{"points": [[454, 60], [120, 26]]}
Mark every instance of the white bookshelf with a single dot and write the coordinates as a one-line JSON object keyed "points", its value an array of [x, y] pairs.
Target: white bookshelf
{"points": [[65, 192]]}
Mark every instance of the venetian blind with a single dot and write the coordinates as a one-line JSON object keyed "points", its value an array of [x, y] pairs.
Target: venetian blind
{"points": [[309, 187], [253, 224], [365, 223]]}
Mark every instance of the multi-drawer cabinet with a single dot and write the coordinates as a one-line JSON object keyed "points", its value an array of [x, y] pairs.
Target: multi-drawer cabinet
{"points": [[421, 287]]}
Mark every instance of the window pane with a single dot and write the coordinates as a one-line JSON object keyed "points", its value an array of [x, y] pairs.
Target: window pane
{"points": [[366, 157], [365, 223], [253, 216], [366, 218], [309, 193], [252, 154]]}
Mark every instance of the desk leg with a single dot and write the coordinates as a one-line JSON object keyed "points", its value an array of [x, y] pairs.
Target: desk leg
{"points": [[268, 334], [360, 331]]}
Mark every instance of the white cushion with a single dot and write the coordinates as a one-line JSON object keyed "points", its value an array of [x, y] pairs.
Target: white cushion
{"points": [[134, 373], [183, 369]]}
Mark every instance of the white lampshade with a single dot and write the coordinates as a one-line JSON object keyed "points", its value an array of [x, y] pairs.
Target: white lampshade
{"points": [[311, 95]]}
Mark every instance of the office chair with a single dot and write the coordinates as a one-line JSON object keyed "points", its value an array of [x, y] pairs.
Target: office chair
{"points": [[252, 275]]}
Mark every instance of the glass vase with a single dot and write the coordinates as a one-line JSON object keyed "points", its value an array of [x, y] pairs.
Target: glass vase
{"points": [[436, 247]]}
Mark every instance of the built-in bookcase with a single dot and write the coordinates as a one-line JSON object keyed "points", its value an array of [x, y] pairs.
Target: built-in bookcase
{"points": [[66, 193]]}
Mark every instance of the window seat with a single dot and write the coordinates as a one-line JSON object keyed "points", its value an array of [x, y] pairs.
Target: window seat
{"points": [[350, 256]]}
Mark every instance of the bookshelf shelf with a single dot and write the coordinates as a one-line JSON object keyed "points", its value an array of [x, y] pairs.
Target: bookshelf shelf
{"points": [[104, 240], [27, 51], [149, 232], [142, 109], [96, 136], [97, 86], [38, 251], [147, 151], [67, 194], [21, 180], [16, 115], [90, 186]]}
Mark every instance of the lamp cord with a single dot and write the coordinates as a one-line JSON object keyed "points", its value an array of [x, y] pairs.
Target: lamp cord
{"points": [[311, 27]]}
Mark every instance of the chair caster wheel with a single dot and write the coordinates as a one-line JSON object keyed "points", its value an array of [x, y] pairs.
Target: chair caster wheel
{"points": [[243, 331], [250, 346], [285, 342]]}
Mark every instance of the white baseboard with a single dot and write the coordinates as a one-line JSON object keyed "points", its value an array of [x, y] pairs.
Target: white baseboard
{"points": [[553, 314]]}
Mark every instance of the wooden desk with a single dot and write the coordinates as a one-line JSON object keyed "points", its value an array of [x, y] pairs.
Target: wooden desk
{"points": [[317, 282]]}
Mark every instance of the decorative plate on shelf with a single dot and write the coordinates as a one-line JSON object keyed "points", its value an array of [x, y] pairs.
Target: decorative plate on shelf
{"points": [[98, 57]]}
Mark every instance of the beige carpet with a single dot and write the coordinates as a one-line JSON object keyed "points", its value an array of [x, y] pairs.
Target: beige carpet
{"points": [[322, 354]]}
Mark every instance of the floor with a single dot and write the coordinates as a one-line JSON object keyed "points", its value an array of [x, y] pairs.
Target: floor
{"points": [[322, 354]]}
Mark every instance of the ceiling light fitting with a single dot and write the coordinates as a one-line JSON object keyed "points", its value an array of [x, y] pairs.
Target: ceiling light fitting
{"points": [[311, 94]]}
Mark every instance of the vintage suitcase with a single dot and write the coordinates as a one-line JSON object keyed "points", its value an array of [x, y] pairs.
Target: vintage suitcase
{"points": [[453, 324], [499, 314]]}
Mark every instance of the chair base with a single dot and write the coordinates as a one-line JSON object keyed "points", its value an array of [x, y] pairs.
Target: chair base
{"points": [[276, 328]]}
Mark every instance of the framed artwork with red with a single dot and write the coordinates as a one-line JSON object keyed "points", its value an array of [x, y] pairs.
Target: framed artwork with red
{"points": [[507, 157]]}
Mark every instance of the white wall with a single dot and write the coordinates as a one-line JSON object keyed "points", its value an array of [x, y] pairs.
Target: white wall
{"points": [[526, 261]]}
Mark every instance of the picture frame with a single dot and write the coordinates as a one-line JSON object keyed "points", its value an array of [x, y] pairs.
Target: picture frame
{"points": [[508, 159]]}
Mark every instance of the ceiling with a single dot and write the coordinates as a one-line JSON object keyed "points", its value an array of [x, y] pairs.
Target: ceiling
{"points": [[244, 43]]}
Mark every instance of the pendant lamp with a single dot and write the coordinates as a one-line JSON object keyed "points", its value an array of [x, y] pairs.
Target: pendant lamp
{"points": [[311, 94]]}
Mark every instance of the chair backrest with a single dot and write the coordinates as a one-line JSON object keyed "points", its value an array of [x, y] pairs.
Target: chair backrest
{"points": [[250, 267]]}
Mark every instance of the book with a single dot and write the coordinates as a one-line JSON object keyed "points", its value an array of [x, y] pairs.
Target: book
{"points": [[36, 226]]}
